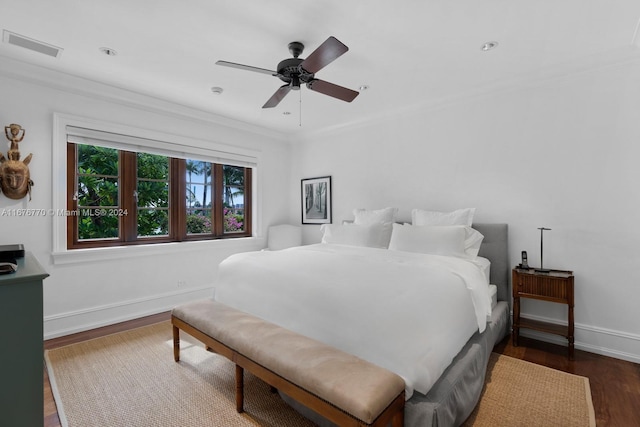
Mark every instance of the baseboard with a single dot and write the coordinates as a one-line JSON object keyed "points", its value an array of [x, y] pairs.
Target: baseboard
{"points": [[606, 342], [62, 324]]}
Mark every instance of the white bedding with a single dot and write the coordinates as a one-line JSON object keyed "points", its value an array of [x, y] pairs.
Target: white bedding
{"points": [[485, 265], [410, 313], [493, 294]]}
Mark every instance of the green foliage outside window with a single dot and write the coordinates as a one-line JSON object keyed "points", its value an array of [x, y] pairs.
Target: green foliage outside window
{"points": [[98, 189], [233, 190], [145, 183], [199, 194], [198, 224], [153, 194]]}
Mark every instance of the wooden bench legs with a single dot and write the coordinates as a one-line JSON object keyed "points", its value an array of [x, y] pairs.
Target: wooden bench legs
{"points": [[239, 389], [393, 414], [239, 370], [176, 343], [396, 421]]}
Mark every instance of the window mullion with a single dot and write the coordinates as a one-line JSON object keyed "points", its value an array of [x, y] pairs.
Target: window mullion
{"points": [[178, 195], [217, 206], [72, 201], [129, 178], [248, 202]]}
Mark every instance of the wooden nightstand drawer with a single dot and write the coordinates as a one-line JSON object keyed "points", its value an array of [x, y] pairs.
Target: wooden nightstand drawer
{"points": [[549, 287]]}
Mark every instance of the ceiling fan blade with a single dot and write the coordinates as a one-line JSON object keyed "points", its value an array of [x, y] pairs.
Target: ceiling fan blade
{"points": [[247, 67], [326, 53], [333, 90], [277, 97]]}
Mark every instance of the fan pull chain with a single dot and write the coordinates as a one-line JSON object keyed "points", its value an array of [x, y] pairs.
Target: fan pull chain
{"points": [[300, 114]]}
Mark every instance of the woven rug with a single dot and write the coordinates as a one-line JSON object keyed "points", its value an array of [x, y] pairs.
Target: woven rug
{"points": [[130, 379], [522, 394]]}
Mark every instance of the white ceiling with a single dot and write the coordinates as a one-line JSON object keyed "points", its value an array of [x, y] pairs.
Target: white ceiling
{"points": [[410, 53]]}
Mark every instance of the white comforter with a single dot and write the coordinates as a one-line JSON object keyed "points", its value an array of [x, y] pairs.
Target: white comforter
{"points": [[409, 313]]}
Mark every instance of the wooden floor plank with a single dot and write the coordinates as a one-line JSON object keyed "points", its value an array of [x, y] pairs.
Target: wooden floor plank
{"points": [[615, 384]]}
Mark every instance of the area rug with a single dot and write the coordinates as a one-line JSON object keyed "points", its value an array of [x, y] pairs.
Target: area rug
{"points": [[130, 379], [522, 394]]}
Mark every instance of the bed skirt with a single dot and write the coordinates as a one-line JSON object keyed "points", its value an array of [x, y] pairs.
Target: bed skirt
{"points": [[456, 393]]}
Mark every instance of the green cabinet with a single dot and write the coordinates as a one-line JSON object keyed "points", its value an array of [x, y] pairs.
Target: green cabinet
{"points": [[22, 350]]}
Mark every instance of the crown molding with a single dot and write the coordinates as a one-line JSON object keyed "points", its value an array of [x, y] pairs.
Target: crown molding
{"points": [[53, 79], [39, 75], [537, 78]]}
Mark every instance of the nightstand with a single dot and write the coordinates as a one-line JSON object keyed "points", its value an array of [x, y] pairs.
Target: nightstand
{"points": [[554, 286]]}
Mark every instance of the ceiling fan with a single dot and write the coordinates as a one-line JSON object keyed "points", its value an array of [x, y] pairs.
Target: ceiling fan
{"points": [[294, 71]]}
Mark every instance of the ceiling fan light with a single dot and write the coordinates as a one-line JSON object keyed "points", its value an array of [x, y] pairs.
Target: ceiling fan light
{"points": [[295, 82]]}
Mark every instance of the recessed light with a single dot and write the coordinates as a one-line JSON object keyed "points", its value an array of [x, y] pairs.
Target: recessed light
{"points": [[217, 90], [489, 45], [108, 51]]}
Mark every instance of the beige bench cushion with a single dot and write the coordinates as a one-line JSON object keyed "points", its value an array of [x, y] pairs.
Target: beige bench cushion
{"points": [[358, 387]]}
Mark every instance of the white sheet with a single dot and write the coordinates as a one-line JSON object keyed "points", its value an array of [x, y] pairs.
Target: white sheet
{"points": [[485, 265], [410, 313], [493, 294]]}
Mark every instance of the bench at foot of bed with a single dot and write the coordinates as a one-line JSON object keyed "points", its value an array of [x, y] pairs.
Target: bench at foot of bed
{"points": [[339, 386]]}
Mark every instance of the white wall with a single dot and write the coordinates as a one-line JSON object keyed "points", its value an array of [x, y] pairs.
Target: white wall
{"points": [[83, 295], [559, 154], [562, 154]]}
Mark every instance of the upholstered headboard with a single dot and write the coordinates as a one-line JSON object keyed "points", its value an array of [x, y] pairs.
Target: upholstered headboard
{"points": [[495, 248]]}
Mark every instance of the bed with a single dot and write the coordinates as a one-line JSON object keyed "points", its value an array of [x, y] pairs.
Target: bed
{"points": [[371, 301]]}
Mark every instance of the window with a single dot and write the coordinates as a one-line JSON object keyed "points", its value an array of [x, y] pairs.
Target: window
{"points": [[203, 181], [117, 197]]}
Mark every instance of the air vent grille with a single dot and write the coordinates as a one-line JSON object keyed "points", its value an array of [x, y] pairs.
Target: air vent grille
{"points": [[31, 44]]}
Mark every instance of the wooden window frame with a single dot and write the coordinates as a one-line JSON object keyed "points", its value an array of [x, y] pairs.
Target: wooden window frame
{"points": [[128, 234]]}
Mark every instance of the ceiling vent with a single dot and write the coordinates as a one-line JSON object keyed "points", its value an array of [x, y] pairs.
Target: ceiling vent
{"points": [[31, 44]]}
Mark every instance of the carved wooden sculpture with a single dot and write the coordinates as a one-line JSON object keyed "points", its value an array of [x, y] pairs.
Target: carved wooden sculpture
{"points": [[15, 180]]}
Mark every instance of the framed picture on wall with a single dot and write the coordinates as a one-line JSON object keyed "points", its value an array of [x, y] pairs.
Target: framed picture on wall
{"points": [[316, 200]]}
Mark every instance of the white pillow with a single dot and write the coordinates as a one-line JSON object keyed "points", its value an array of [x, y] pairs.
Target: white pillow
{"points": [[428, 240], [456, 240], [472, 241], [378, 216], [457, 217], [372, 236]]}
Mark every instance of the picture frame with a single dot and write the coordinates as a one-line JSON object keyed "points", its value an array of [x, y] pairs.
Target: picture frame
{"points": [[315, 194]]}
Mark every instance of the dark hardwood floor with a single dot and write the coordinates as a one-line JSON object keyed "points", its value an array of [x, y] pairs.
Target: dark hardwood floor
{"points": [[615, 384]]}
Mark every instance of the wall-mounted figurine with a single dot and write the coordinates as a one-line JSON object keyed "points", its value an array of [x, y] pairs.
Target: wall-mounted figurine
{"points": [[15, 180]]}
